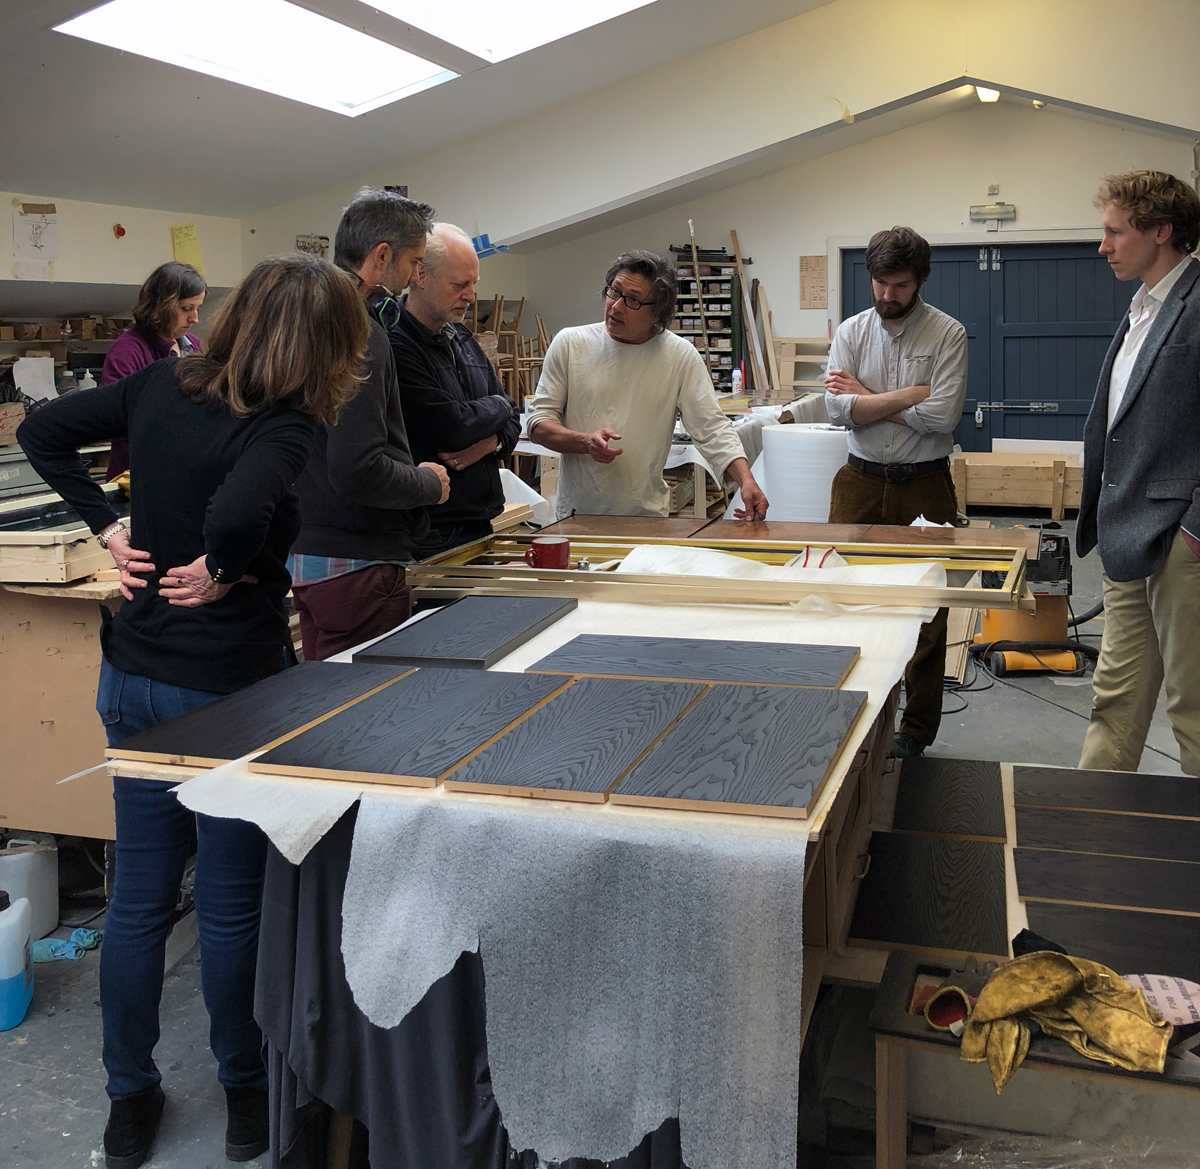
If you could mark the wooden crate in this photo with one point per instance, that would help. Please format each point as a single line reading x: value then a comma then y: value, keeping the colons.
x: 1018, y: 479
x: 58, y: 557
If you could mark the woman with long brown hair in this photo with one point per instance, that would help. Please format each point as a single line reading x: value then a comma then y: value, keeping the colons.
x: 217, y: 439
x: 167, y: 309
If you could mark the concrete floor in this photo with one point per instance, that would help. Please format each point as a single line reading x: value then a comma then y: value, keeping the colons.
x: 52, y: 1101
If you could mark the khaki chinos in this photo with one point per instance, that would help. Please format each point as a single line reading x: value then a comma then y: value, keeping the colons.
x: 1151, y: 630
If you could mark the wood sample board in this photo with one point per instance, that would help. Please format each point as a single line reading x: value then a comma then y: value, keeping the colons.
x: 1107, y: 791
x: 580, y: 743
x: 473, y: 633
x: 257, y: 717
x: 413, y: 732
x: 755, y: 750
x: 1115, y: 882
x: 688, y: 659
x: 950, y: 797
x: 1123, y: 940
x: 1149, y: 837
x: 933, y: 894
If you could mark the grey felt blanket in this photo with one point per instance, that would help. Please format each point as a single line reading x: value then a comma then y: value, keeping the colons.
x: 637, y: 967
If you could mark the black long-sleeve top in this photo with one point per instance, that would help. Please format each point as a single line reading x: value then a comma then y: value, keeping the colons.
x: 451, y: 399
x: 361, y: 495
x: 203, y: 482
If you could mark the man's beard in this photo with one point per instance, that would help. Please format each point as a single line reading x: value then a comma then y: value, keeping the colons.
x: 890, y: 310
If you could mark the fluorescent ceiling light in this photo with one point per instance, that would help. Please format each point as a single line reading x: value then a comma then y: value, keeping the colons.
x: 495, y: 30
x: 987, y: 94
x: 266, y: 44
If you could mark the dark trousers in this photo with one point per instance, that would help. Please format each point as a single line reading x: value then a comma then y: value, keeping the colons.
x: 154, y: 834
x: 859, y: 498
x: 338, y: 614
x: 439, y: 540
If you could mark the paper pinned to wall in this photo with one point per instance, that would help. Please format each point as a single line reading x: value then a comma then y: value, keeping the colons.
x: 185, y: 246
x: 35, y: 376
x: 814, y: 281
x: 35, y: 237
x: 33, y: 269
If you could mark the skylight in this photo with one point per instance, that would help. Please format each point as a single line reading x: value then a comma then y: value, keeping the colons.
x: 496, y: 31
x: 267, y: 44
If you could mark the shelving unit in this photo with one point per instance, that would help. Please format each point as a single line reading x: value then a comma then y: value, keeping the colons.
x: 720, y: 321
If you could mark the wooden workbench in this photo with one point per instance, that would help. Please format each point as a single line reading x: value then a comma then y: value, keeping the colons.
x: 49, y: 668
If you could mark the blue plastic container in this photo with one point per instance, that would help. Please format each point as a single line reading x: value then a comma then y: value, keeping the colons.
x: 16, y: 961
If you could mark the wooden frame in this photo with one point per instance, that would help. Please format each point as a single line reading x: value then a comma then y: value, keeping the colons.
x: 1018, y: 479
x: 496, y: 565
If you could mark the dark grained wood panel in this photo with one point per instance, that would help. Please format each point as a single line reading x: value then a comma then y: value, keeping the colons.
x: 691, y: 659
x: 933, y: 893
x: 415, y: 730
x: 580, y: 743
x: 641, y: 527
x: 471, y: 634
x: 765, y: 750
x: 1123, y: 939
x: 1109, y: 791
x: 1116, y: 835
x: 1120, y: 882
x: 950, y: 797
x: 256, y: 717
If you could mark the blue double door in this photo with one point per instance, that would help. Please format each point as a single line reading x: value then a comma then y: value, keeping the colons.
x: 1039, y: 319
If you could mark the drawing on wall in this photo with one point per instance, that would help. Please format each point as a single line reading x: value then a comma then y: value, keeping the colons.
x: 313, y: 245
x: 35, y: 237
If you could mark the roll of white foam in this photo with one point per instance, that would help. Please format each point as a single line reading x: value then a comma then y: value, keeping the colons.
x: 797, y: 468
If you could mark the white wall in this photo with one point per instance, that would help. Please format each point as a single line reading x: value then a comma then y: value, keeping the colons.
x: 91, y: 254
x: 926, y: 177
x: 611, y: 146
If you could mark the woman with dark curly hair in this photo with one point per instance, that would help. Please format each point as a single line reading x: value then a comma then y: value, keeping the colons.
x: 217, y: 440
x: 168, y: 305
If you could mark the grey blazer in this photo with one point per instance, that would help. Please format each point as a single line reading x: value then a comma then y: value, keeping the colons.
x: 1141, y: 479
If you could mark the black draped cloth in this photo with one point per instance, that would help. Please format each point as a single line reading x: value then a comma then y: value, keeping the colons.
x: 421, y: 1092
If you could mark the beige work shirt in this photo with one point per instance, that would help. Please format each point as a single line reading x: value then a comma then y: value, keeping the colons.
x: 590, y: 381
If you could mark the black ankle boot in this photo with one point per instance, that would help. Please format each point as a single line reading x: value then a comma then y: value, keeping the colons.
x: 132, y: 1123
x: 248, y: 1133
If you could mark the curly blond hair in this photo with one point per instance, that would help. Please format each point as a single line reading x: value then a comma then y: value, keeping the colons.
x: 1152, y: 198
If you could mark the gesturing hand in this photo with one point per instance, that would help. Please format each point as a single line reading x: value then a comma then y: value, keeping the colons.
x: 598, y: 448
x: 129, y: 560
x: 189, y: 586
x: 443, y: 478
x: 838, y: 381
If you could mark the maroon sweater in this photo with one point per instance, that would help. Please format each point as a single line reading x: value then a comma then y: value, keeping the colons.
x: 133, y: 350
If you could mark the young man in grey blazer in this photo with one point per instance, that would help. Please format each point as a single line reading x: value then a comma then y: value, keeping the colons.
x: 1141, y: 476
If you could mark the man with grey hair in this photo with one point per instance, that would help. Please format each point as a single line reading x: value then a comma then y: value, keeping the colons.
x: 455, y: 409
x: 623, y: 381
x: 362, y: 500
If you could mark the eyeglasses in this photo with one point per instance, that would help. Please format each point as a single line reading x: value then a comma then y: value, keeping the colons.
x: 632, y: 302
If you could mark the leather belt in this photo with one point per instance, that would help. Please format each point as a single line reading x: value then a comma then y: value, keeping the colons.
x: 898, y: 472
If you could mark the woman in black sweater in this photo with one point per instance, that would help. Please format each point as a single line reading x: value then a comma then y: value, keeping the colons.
x: 216, y: 441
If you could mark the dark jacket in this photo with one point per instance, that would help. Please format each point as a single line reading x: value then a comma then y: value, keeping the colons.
x: 133, y: 350
x: 206, y: 482
x: 362, y: 496
x: 1141, y: 479
x: 452, y: 398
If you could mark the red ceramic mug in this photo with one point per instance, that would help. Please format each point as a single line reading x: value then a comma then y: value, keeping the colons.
x: 549, y: 552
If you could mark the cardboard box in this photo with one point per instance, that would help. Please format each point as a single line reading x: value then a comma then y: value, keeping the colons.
x: 51, y: 332
x: 8, y: 333
x: 27, y: 332
x: 12, y: 414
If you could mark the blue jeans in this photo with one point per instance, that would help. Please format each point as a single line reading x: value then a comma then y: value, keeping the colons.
x: 154, y: 832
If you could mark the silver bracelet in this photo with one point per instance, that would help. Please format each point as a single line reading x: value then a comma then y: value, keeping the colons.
x: 103, y: 538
